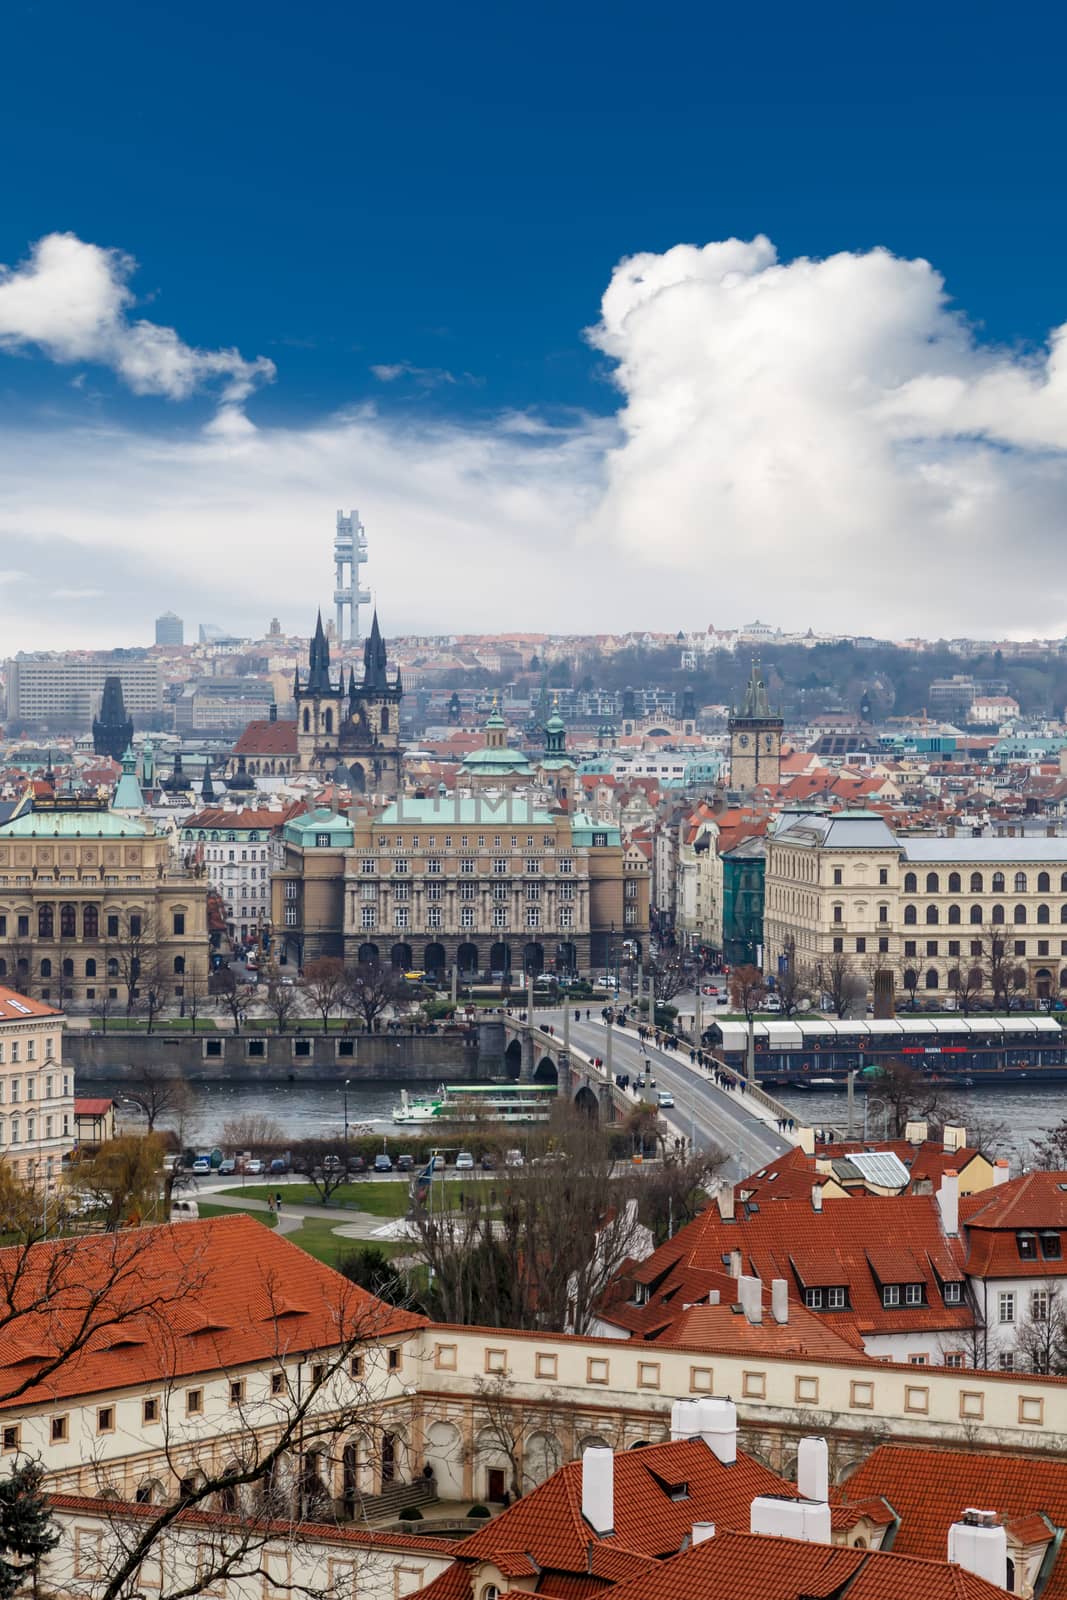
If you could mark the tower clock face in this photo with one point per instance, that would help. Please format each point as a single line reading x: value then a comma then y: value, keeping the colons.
x: 768, y: 743
x: 743, y: 741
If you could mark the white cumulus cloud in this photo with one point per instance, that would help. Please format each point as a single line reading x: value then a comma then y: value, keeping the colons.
x: 72, y: 301
x: 824, y: 442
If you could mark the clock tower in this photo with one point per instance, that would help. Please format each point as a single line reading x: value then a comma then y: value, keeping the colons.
x: 755, y: 738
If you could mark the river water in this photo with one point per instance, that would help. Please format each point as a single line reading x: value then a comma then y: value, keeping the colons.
x: 317, y: 1110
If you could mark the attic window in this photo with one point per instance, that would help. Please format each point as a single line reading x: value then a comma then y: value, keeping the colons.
x: 673, y: 1491
x: 1027, y: 1243
x: 1051, y: 1248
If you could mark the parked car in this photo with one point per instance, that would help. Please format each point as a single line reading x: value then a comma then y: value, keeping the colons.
x: 279, y: 1165
x: 201, y: 1165
x: 382, y: 1163
x: 254, y: 1167
x: 227, y: 1167
x: 464, y: 1161
x: 514, y: 1158
x: 405, y: 1162
x: 357, y: 1164
x: 488, y: 1163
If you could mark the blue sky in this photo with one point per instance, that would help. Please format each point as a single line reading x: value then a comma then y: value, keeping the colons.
x: 417, y: 210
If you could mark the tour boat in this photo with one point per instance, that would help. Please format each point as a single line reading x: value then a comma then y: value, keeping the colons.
x: 479, y: 1102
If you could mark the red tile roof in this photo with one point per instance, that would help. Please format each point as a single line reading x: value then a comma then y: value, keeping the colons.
x: 746, y: 1566
x: 15, y: 1007
x: 267, y: 739
x: 862, y: 1243
x: 993, y: 1218
x: 929, y: 1488
x: 92, y: 1108
x: 190, y: 1298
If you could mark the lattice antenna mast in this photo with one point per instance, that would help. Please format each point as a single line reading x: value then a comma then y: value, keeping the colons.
x: 349, y: 554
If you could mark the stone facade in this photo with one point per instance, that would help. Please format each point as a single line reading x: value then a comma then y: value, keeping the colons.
x: 755, y: 739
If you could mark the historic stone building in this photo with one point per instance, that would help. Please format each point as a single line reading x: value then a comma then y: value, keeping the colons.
x: 488, y: 884
x: 755, y: 738
x: 89, y: 897
x: 351, y: 732
x: 843, y: 883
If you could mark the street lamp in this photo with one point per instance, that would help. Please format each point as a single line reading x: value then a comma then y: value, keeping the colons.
x: 347, y: 1081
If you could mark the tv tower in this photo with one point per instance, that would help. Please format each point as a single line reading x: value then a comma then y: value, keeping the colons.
x: 349, y: 551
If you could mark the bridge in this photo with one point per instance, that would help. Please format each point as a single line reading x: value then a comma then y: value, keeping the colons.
x: 713, y: 1107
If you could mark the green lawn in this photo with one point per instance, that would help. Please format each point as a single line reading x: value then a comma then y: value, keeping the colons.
x: 383, y: 1198
x: 319, y: 1240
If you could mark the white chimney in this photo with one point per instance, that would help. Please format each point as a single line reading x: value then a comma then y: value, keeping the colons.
x: 954, y: 1138
x: 750, y: 1294
x: 1001, y: 1173
x: 717, y: 1420
x: 702, y: 1531
x: 734, y: 1268
x: 806, y: 1140
x: 725, y: 1197
x: 916, y: 1132
x: 816, y: 1197
x: 598, y: 1489
x: 780, y: 1299
x: 685, y: 1419
x: 790, y: 1519
x: 979, y: 1544
x: 813, y: 1469
x: 948, y: 1199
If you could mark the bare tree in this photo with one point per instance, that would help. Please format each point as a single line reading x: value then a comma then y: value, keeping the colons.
x: 104, y: 1004
x: 507, y: 1429
x: 323, y: 1163
x: 674, y: 1193
x: 194, y: 997
x: 371, y: 990
x: 910, y: 1097
x: 283, y: 997
x: 668, y: 977
x: 1041, y: 1341
x: 158, y: 1092
x: 254, y: 1132
x: 326, y: 986
x: 967, y: 983
x: 236, y: 996
x: 1006, y: 978
x: 838, y: 977
x: 1050, y: 1153
x: 22, y: 970
x: 748, y: 990
x: 136, y: 953
x: 795, y: 986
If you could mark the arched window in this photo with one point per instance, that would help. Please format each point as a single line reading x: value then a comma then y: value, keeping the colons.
x: 1063, y: 979
x: 976, y: 883
x: 90, y: 968
x: 46, y: 968
x: 1043, y: 915
x: 46, y: 922
x: 998, y: 883
x: 976, y: 914
x: 3, y: 967
x: 327, y: 720
x: 1063, y: 882
x: 91, y: 922
x: 1019, y: 915
x: 112, y: 967
x: 933, y: 883
x: 954, y: 914
x: 998, y: 915
x: 953, y: 883
x: 931, y: 978
x: 932, y: 915
x: 68, y: 922
x: 307, y: 720
x: 1043, y: 883
x: 68, y: 968
x: 911, y: 883
x: 179, y: 963
x: 911, y: 916
x: 385, y: 719
x: 1020, y: 883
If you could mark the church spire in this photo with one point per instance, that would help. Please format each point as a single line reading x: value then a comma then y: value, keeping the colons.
x: 374, y: 659
x: 755, y: 703
x: 318, y: 679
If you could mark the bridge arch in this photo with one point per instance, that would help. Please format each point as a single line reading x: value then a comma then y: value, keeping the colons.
x: 585, y: 1100
x: 513, y: 1059
x: 546, y: 1071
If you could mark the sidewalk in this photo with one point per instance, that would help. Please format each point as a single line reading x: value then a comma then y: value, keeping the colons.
x: 291, y: 1217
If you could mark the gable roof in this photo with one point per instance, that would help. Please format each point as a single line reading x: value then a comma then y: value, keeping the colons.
x: 174, y: 1300
x: 928, y: 1489
x: 266, y: 738
x: 15, y: 1007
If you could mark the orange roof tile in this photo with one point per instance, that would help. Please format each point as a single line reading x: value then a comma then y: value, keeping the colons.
x: 180, y: 1299
x: 15, y: 1007
x: 267, y: 739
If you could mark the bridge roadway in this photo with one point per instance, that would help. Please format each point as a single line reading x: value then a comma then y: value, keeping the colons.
x: 702, y: 1111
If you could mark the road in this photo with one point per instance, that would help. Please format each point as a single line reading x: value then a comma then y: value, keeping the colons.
x: 704, y: 1112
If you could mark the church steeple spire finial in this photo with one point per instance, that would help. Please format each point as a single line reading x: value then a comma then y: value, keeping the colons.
x: 318, y: 679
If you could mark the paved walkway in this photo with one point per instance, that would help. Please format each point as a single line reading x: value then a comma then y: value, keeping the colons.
x: 356, y: 1224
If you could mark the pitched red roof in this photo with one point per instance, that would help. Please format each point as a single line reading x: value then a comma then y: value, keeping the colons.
x: 267, y: 739
x: 994, y: 1218
x: 181, y: 1299
x: 92, y: 1108
x: 928, y: 1489
x: 748, y: 1566
x: 15, y: 1007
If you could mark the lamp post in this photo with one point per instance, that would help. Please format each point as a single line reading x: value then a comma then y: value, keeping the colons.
x: 347, y: 1081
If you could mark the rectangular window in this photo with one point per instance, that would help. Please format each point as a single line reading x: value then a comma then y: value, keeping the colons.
x: 112, y: 927
x: 839, y: 914
x: 401, y: 866
x: 433, y: 917
x: 500, y: 917
x: 394, y: 1360
x: 1006, y: 1361
x: 150, y: 1410
x: 1006, y: 1305
x: 468, y: 891
x: 402, y: 891
x: 861, y: 946
x: 179, y: 922
x: 318, y: 1373
x: 466, y: 917
x: 954, y: 947
x: 883, y: 946
x: 839, y: 946
x: 931, y: 947
x: 500, y: 864
x: 565, y: 864
x: 355, y: 1367
x: 11, y: 1437
x: 566, y: 917
x: 1039, y: 1303
x: 913, y: 1294
x: 194, y: 1402
x: 433, y: 866
x: 466, y: 864
x: 1050, y: 1246
x: 533, y: 891
x: 836, y: 1299
x: 917, y: 1361
x: 277, y: 1383
x: 532, y: 864
x: 367, y: 864
x: 400, y: 917
x: 883, y: 874
x: 891, y: 1294
x: 953, y: 1294
x: 105, y: 1419
x: 954, y: 1358
x: 433, y: 891
x: 813, y: 1299
x: 290, y: 915
x: 909, y: 947
x: 1020, y: 947
x: 837, y: 875
x: 533, y: 916
x: 237, y: 1391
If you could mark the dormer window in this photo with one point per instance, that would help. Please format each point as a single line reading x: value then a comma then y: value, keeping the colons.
x: 1051, y: 1248
x: 953, y: 1293
x: 1027, y: 1243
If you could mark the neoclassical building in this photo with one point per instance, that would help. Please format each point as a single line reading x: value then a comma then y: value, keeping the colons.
x: 83, y: 891
x: 844, y: 883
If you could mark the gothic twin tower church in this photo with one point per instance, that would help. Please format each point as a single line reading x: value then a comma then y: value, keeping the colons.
x: 351, y: 732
